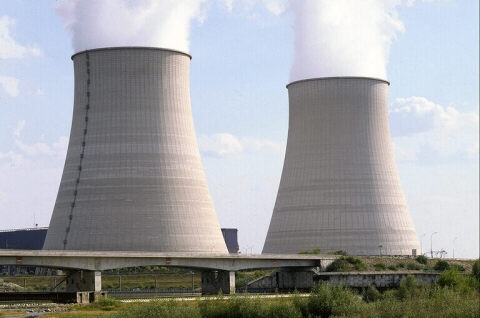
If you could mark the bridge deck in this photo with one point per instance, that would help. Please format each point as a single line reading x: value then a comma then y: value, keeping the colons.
x: 104, y: 260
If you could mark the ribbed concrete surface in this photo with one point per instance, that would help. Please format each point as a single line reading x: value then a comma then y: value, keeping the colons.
x: 340, y: 188
x: 133, y: 178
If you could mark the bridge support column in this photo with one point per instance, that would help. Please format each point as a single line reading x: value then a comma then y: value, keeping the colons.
x: 80, y: 281
x: 215, y: 281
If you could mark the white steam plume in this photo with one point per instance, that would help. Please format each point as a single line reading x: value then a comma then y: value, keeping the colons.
x: 343, y: 37
x: 106, y: 23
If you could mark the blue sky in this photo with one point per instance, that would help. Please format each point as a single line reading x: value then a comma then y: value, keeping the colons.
x: 243, y: 52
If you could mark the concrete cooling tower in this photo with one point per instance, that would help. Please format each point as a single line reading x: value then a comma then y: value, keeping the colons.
x: 340, y: 188
x: 133, y: 178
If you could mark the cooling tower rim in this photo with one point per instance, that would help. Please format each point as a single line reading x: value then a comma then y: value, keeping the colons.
x: 153, y: 48
x: 338, y: 77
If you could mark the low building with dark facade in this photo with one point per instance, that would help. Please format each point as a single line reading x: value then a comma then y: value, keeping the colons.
x: 21, y: 239
x: 231, y: 239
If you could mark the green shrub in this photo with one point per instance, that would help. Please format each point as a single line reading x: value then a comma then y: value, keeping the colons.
x: 408, y: 288
x: 401, y: 265
x: 316, y: 251
x: 428, y: 301
x: 338, y: 265
x: 450, y: 278
x: 106, y: 304
x: 301, y: 303
x: 357, y: 263
x: 346, y: 263
x: 454, y: 279
x: 441, y: 265
x: 282, y: 310
x: 247, y: 307
x: 352, y: 260
x: 371, y: 294
x: 216, y: 308
x: 171, y: 309
x: 422, y: 259
x: 360, y: 267
x: 326, y: 301
x: 392, y: 267
x: 379, y: 266
x: 457, y: 267
x: 476, y: 270
x: 413, y: 267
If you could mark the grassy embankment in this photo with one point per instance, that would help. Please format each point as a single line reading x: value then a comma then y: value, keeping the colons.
x: 455, y: 295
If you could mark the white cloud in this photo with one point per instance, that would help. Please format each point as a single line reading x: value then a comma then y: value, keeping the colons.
x: 9, y: 85
x: 24, y: 154
x: 57, y: 148
x: 27, y: 186
x: 223, y: 144
x: 30, y: 174
x: 276, y: 7
x: 423, y: 130
x: 17, y: 130
x: 252, y: 144
x: 410, y: 3
x: 229, y: 4
x: 9, y: 48
x: 12, y: 159
x: 220, y: 144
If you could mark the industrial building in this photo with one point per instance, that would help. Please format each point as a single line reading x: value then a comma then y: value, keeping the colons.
x: 23, y: 239
x: 231, y: 239
x: 340, y: 188
x: 133, y: 179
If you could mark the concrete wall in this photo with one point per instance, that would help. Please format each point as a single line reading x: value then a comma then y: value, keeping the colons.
x: 288, y: 280
x: 379, y: 280
x: 133, y: 179
x: 339, y: 188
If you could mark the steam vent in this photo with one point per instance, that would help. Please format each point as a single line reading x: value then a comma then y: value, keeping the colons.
x: 340, y: 188
x: 133, y: 178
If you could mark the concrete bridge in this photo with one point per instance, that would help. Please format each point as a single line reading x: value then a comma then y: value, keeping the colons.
x: 218, y: 271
